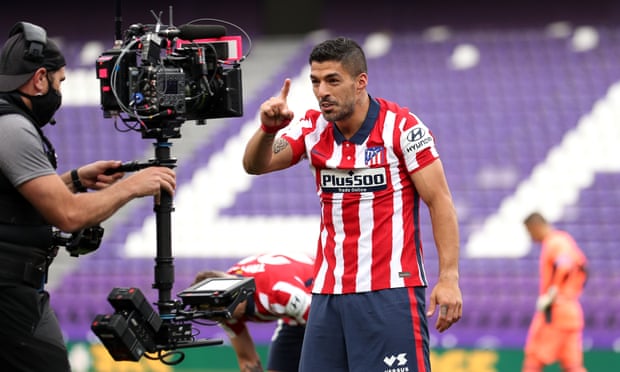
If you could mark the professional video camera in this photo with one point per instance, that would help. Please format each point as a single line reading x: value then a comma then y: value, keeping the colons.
x: 159, y: 76
x: 153, y: 79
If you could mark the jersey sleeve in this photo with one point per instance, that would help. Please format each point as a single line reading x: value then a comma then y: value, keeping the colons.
x: 290, y: 301
x: 417, y: 143
x: 295, y: 133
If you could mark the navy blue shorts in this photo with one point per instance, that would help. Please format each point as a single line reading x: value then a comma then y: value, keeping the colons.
x: 380, y: 331
x: 285, y: 348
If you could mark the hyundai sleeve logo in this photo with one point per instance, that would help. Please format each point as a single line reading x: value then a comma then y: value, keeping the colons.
x: 416, y: 134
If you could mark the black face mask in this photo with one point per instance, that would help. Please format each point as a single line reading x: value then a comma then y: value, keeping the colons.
x: 45, y: 106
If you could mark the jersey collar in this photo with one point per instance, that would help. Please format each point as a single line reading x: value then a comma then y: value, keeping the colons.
x: 360, y: 136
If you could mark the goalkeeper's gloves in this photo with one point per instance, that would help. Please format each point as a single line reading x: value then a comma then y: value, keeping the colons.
x: 545, y: 300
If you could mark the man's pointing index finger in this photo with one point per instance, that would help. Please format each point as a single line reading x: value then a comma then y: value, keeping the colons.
x: 285, y: 88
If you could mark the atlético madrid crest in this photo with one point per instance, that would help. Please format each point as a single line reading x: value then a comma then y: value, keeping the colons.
x: 375, y: 156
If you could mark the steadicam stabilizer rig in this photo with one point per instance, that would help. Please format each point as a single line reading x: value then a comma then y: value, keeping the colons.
x: 153, y: 80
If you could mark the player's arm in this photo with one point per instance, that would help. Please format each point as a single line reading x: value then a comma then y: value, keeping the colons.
x: 291, y: 301
x: 562, y: 265
x: 248, y: 358
x: 432, y: 187
x: 264, y: 153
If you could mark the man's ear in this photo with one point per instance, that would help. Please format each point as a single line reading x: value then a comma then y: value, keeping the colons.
x: 362, y: 81
x: 40, y: 81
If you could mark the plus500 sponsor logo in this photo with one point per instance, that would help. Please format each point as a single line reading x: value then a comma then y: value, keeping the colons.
x: 361, y: 180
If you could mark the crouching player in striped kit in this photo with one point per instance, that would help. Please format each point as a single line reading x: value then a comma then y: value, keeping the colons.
x: 283, y: 295
x: 372, y: 161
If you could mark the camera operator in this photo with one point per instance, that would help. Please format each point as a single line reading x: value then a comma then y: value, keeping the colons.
x: 282, y: 294
x: 33, y: 198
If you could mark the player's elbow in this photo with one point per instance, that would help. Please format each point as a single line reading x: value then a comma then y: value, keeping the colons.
x: 252, y: 169
x: 255, y: 166
x: 441, y: 203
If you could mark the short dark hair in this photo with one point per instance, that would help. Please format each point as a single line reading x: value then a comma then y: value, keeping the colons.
x: 207, y: 274
x: 343, y: 50
x: 535, y: 218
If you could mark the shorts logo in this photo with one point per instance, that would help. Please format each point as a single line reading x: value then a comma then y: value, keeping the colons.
x: 396, y: 363
x: 354, y: 180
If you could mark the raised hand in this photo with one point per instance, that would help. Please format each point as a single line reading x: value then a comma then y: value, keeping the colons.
x: 274, y: 113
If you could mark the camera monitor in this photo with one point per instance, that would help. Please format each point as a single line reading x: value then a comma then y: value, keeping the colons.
x: 226, y: 48
x: 218, y: 292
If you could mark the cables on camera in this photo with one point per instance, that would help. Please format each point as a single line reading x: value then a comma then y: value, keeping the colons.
x: 135, y: 329
x: 154, y: 80
x: 160, y: 76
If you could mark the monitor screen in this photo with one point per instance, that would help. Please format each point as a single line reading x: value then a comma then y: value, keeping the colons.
x: 217, y: 284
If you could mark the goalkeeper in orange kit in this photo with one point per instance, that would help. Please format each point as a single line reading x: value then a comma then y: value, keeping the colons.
x: 555, y: 333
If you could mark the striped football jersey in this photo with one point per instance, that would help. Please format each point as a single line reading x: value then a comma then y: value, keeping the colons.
x: 283, y: 284
x: 369, y: 236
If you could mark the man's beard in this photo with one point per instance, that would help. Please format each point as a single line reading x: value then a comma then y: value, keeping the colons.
x: 339, y: 112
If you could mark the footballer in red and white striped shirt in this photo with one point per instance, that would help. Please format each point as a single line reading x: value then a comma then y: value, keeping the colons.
x: 373, y: 163
x: 370, y: 236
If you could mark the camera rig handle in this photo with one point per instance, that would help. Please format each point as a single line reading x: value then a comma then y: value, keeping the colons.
x: 134, y: 166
